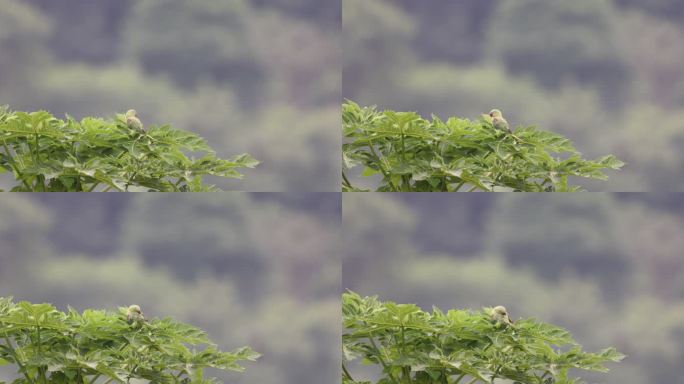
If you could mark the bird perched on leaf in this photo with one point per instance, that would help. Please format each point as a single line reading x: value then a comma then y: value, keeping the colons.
x: 134, y: 314
x: 499, y: 316
x: 498, y: 120
x: 133, y: 122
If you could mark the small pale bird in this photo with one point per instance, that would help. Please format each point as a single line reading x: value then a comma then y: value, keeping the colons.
x: 134, y: 314
x: 498, y: 121
x: 499, y: 315
x: 133, y: 122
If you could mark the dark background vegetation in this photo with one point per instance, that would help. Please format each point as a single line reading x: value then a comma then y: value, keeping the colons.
x: 608, y: 267
x: 607, y: 74
x: 251, y: 76
x: 250, y: 269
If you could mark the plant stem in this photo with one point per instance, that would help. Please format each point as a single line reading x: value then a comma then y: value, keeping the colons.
x: 404, y: 178
x: 460, y: 377
x: 41, y: 179
x: 403, y: 146
x: 22, y: 368
x: 345, y: 181
x: 407, y: 182
x: 382, y: 362
x: 346, y: 372
x: 380, y: 163
x: 33, y: 155
x: 15, y: 169
x: 406, y: 370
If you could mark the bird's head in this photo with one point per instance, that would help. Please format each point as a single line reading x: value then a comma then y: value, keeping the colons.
x: 131, y: 113
x: 492, y: 113
x: 134, y: 309
x: 500, y: 310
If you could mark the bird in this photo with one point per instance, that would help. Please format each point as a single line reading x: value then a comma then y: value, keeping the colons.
x: 134, y: 314
x: 499, y: 316
x: 133, y: 122
x: 498, y: 120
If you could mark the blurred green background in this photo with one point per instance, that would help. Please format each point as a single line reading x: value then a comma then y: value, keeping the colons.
x: 606, y: 74
x: 256, y: 269
x: 256, y: 76
x: 608, y: 267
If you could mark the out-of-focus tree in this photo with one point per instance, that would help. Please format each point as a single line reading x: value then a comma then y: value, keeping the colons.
x: 556, y: 235
x: 102, y: 219
x: 556, y: 42
x: 23, y: 231
x: 324, y: 12
x: 657, y: 70
x: 283, y: 248
x: 294, y: 242
x: 311, y: 77
x: 437, y: 234
x: 192, y: 41
x: 655, y: 155
x: 88, y: 31
x: 166, y: 231
x: 376, y: 37
x: 311, y: 202
x: 312, y: 343
x: 23, y: 35
x: 659, y: 348
x: 653, y: 241
x: 373, y: 225
x: 296, y: 148
x: 450, y: 31
x: 662, y: 8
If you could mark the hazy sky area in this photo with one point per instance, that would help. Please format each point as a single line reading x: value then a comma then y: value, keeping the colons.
x: 607, y: 267
x: 251, y: 269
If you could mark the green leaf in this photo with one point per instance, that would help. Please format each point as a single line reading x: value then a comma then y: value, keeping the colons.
x: 369, y: 172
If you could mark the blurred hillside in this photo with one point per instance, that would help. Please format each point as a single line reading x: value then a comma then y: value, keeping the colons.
x: 250, y: 269
x: 607, y: 267
x: 606, y: 74
x: 250, y: 76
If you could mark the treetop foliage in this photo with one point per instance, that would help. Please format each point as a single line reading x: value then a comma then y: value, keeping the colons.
x: 48, y: 154
x: 49, y: 346
x: 459, y: 346
x: 414, y: 154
